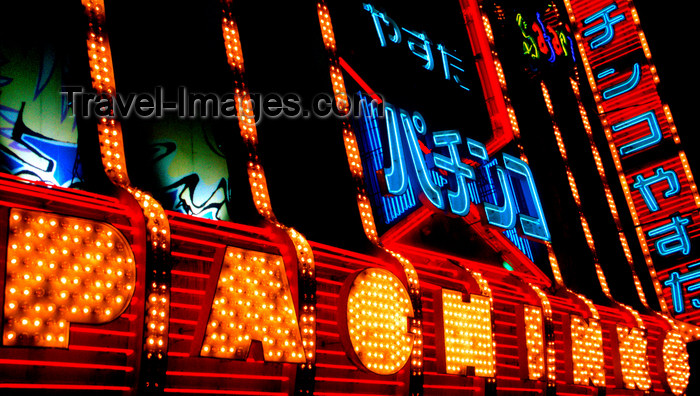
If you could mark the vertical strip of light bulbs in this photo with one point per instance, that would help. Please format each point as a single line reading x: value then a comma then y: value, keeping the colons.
x: 587, y: 347
x: 616, y: 158
x: 608, y: 193
x: 574, y: 192
x: 512, y: 119
x: 306, y: 268
x: 554, y: 264
x: 352, y: 150
x: 486, y: 291
x: 550, y: 350
x: 157, y: 226
x: 491, y: 71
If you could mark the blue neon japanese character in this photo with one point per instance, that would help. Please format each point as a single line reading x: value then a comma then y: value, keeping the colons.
x: 396, y: 175
x: 675, y: 242
x: 676, y: 281
x: 624, y: 86
x: 419, y: 44
x: 447, y: 62
x: 605, y: 27
x: 503, y: 215
x: 533, y: 225
x: 459, y: 199
x: 655, y: 135
x: 643, y: 185
x: 380, y: 18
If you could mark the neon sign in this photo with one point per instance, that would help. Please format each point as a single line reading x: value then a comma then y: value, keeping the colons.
x: 233, y: 284
x: 603, y: 30
x: 249, y: 297
x: 247, y: 293
x: 676, y: 282
x: 414, y: 155
x: 541, y: 40
x: 419, y: 44
x: 657, y: 181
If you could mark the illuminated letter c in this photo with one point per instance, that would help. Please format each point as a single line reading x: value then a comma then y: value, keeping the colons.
x: 375, y: 314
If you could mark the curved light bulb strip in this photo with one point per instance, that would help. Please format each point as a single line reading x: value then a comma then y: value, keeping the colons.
x: 550, y: 350
x: 261, y: 199
x: 674, y: 356
x: 483, y: 285
x: 608, y: 193
x: 486, y: 292
x: 114, y: 163
x: 352, y: 150
x: 584, y: 223
x: 675, y: 363
x: 501, y: 77
x: 574, y: 192
x: 638, y: 331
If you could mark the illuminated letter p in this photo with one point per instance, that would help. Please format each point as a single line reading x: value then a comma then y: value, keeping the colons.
x: 62, y: 270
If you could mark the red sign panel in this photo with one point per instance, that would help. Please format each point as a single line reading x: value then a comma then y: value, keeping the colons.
x: 653, y: 169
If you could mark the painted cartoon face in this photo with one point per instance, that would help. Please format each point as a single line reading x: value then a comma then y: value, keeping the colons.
x: 38, y: 133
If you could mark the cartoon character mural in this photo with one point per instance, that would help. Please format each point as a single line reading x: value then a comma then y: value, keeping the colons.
x: 38, y: 133
x: 190, y: 172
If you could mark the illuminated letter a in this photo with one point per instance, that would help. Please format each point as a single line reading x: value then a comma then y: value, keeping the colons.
x: 253, y: 301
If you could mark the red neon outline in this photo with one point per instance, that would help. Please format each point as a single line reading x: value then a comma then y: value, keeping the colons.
x: 358, y: 79
x: 127, y: 352
x: 91, y: 330
x: 194, y: 292
x: 190, y: 274
x: 65, y: 387
x: 485, y: 63
x: 360, y: 381
x: 221, y: 392
x: 40, y: 186
x: 24, y: 362
x: 179, y: 354
x: 225, y: 375
x: 184, y: 321
x: 451, y: 387
x: 337, y: 366
x: 345, y: 394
